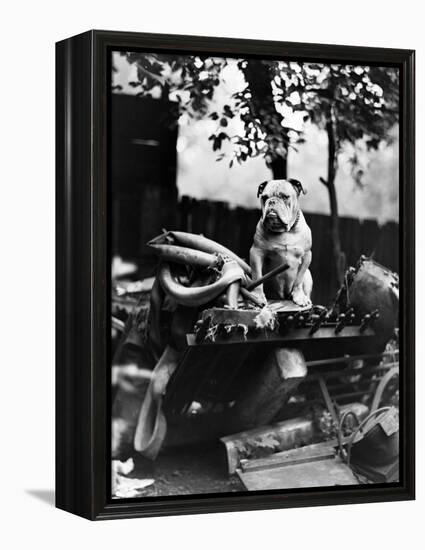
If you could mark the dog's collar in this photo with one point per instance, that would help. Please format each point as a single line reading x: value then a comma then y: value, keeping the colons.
x: 297, y: 219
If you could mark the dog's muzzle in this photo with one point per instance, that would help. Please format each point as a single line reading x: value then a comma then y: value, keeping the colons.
x: 275, y: 215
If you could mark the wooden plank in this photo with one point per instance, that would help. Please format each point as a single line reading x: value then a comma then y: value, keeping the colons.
x: 309, y: 453
x: 322, y: 270
x: 220, y: 229
x: 199, y: 216
x: 249, y: 220
x: 369, y: 237
x: 210, y: 220
x: 231, y: 236
x: 185, y: 213
x: 387, y: 250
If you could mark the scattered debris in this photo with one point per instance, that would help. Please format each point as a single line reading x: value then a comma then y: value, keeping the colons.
x: 134, y: 287
x: 123, y: 468
x: 266, y: 440
x: 123, y: 486
x: 129, y: 375
x: 211, y: 333
x: 121, y: 268
x: 244, y: 329
x: 266, y: 319
x: 291, y: 363
x: 195, y: 408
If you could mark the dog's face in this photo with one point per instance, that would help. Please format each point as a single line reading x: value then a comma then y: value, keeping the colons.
x: 279, y: 204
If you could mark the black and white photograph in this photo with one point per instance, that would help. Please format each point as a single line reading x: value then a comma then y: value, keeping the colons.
x: 254, y: 264
x: 211, y: 275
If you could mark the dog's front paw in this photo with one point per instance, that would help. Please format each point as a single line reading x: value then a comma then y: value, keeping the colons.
x: 259, y: 294
x: 300, y: 298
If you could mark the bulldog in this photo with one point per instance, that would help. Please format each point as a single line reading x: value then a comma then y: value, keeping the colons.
x: 282, y: 236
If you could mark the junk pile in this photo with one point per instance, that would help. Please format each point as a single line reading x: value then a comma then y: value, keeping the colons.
x: 207, y: 347
x: 364, y: 448
x: 124, y: 486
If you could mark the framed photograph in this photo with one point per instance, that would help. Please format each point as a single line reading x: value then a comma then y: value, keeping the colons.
x: 235, y: 274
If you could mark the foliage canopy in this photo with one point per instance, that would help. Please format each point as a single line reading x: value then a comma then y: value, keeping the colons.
x: 362, y: 102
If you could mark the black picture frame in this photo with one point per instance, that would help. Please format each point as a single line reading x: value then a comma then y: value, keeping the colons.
x: 82, y: 274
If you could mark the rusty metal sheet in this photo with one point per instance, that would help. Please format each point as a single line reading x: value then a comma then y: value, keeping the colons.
x: 309, y: 453
x: 293, y: 335
x: 284, y: 435
x: 328, y: 472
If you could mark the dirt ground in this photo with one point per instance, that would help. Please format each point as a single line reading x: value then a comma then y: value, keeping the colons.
x: 187, y: 470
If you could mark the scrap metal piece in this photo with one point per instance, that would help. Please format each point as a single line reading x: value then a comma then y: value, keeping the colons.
x: 325, y: 472
x: 183, y: 255
x: 266, y: 319
x: 328, y: 400
x: 232, y: 294
x: 318, y: 320
x: 276, y: 271
x: 267, y: 439
x: 308, y: 453
x: 251, y: 297
x: 369, y: 287
x: 341, y: 323
x: 196, y: 296
x: 151, y: 426
x: 368, y: 320
x: 198, y: 242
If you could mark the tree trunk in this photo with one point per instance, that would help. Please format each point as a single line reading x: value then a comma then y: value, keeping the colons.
x: 338, y: 254
x: 258, y: 77
x: 279, y: 168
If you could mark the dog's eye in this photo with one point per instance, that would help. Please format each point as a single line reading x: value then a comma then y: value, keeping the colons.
x: 264, y: 198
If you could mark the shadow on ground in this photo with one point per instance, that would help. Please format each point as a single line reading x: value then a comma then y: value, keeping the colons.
x: 189, y: 470
x: 45, y: 495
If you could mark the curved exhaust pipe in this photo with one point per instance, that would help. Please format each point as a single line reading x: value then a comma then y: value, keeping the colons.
x: 197, y: 296
x: 198, y: 242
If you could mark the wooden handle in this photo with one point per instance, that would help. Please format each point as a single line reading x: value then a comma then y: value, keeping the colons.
x: 267, y: 276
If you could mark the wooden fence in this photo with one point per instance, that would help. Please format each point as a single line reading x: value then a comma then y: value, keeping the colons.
x: 235, y: 227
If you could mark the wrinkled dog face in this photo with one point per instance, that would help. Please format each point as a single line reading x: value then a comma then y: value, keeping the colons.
x: 279, y: 204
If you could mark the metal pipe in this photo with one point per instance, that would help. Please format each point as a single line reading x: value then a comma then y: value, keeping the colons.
x: 351, y: 372
x: 252, y: 297
x: 267, y: 276
x: 117, y: 324
x: 232, y: 294
x: 347, y: 359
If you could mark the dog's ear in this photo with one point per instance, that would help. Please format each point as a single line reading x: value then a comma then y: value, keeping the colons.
x: 261, y: 188
x: 298, y: 186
